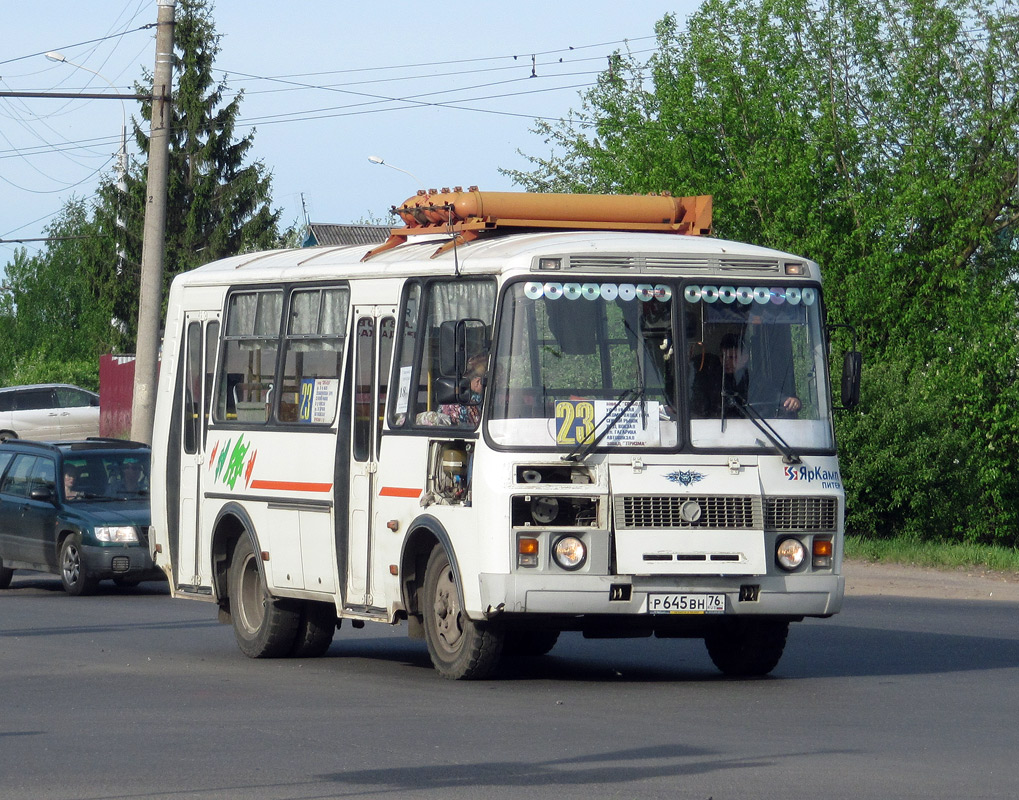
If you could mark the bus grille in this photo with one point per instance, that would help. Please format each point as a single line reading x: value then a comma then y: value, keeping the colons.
x: 801, y: 513
x: 654, y: 262
x: 644, y: 512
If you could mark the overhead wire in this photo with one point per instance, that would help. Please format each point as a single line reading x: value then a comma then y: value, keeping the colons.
x: 358, y: 108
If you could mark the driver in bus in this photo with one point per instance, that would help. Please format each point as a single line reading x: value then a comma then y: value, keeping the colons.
x: 736, y: 380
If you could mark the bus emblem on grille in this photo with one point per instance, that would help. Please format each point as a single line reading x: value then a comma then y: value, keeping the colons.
x: 685, y: 477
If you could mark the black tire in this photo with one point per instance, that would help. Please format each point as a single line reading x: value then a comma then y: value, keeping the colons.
x: 7, y: 435
x: 74, y: 573
x: 529, y: 644
x: 460, y: 648
x: 748, y: 647
x: 6, y: 573
x: 315, y: 630
x: 264, y: 626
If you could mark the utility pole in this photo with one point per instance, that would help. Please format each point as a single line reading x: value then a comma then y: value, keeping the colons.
x: 150, y: 300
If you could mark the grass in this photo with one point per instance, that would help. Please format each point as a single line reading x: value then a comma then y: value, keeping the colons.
x: 944, y: 555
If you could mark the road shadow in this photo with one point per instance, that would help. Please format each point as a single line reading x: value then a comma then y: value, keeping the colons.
x: 26, y: 582
x: 634, y: 766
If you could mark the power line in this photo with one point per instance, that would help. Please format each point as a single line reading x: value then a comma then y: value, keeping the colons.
x: 79, y: 44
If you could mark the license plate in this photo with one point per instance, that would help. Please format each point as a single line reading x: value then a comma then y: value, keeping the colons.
x: 686, y: 603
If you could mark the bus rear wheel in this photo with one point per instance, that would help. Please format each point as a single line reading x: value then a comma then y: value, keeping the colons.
x: 748, y: 647
x: 460, y: 648
x: 315, y: 630
x: 264, y: 626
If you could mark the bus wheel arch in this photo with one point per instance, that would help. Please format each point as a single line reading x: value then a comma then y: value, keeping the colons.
x: 426, y: 533
x: 231, y: 524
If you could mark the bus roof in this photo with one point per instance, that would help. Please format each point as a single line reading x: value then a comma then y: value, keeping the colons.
x: 654, y: 253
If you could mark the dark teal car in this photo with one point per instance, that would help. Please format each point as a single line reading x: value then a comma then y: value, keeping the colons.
x: 79, y: 510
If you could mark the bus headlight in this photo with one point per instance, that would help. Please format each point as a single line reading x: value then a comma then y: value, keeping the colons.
x: 790, y: 553
x: 569, y: 553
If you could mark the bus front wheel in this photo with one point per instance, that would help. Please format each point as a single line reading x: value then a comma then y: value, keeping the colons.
x: 748, y: 647
x: 460, y: 648
x: 264, y: 626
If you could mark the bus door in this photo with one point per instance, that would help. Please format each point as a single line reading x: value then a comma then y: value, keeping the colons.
x: 374, y: 330
x: 200, y: 347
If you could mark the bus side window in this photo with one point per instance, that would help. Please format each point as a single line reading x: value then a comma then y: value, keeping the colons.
x: 250, y: 347
x: 192, y: 388
x: 316, y: 327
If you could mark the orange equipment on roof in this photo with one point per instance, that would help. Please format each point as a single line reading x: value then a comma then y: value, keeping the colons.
x: 470, y: 213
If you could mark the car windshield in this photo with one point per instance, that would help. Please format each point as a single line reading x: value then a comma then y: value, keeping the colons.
x: 709, y: 366
x: 106, y: 476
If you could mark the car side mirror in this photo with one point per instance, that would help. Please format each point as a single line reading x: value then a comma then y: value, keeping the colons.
x: 43, y: 494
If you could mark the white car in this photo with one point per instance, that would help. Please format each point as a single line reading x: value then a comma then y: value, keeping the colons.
x: 48, y: 412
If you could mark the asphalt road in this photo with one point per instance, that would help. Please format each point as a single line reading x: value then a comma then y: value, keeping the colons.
x: 130, y: 694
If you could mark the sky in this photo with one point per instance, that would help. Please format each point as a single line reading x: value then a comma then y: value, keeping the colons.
x: 443, y: 93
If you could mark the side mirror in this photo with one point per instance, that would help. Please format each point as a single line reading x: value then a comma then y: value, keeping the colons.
x: 852, y: 365
x: 44, y: 494
x: 453, y: 390
x: 459, y: 340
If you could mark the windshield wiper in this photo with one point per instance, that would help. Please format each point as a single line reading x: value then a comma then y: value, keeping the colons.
x: 789, y: 456
x: 630, y: 396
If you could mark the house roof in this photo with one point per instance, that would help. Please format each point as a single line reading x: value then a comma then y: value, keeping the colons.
x: 332, y: 234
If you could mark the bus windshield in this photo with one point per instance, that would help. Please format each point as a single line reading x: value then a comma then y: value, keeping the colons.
x: 660, y: 366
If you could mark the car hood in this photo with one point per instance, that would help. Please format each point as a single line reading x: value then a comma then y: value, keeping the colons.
x: 112, y: 512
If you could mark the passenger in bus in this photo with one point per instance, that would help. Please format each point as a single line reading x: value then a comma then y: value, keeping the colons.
x: 736, y: 381
x: 705, y: 380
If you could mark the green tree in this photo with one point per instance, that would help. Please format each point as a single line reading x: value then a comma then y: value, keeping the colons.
x: 55, y: 321
x: 218, y: 201
x: 78, y: 298
x: 879, y: 138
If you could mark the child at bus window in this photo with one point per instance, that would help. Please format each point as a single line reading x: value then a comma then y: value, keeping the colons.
x: 468, y: 415
x: 462, y: 415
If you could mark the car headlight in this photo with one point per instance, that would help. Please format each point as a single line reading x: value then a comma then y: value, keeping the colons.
x: 790, y: 553
x: 569, y: 553
x: 121, y: 534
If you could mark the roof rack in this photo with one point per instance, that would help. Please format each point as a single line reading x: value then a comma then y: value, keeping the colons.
x: 467, y: 215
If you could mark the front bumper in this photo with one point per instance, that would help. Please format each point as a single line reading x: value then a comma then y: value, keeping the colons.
x: 791, y: 596
x: 131, y: 562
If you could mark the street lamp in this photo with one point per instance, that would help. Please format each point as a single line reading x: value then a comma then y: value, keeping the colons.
x: 380, y: 161
x: 60, y: 58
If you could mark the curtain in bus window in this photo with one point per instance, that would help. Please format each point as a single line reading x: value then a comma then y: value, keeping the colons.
x: 314, y: 355
x: 244, y: 390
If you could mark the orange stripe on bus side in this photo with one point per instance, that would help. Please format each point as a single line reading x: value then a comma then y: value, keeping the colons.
x: 396, y: 491
x: 292, y: 486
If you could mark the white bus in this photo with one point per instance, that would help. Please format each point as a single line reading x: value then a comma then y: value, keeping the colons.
x: 522, y: 415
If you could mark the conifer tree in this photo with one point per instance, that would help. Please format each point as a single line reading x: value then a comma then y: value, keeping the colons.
x: 218, y: 202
